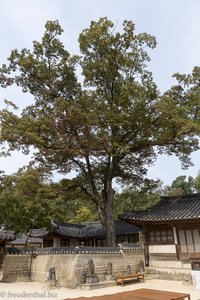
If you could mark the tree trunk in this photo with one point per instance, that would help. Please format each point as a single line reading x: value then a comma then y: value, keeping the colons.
x: 107, y: 218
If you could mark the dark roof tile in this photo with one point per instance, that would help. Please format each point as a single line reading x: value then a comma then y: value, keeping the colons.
x: 67, y: 229
x: 92, y: 230
x: 6, y: 235
x: 41, y: 232
x: 87, y: 250
x: 87, y: 230
x: 23, y: 239
x: 172, y: 208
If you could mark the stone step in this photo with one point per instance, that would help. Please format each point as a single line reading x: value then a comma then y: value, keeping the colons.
x: 150, y: 276
x: 169, y: 273
x: 98, y: 285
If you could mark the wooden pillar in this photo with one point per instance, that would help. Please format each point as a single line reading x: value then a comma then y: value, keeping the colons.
x: 145, y: 241
x: 176, y: 243
x: 56, y: 242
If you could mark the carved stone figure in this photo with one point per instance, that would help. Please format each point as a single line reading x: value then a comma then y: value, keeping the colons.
x: 51, y: 274
x: 128, y: 269
x: 83, y: 277
x: 109, y: 268
x: 91, y: 277
x: 141, y: 266
x: 90, y: 267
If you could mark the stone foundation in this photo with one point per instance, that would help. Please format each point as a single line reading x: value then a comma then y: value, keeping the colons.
x: 170, y: 274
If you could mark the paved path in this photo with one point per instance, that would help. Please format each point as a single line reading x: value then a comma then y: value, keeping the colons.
x: 35, y: 290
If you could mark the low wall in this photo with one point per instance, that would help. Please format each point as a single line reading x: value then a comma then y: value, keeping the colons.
x: 71, y: 262
x: 17, y: 268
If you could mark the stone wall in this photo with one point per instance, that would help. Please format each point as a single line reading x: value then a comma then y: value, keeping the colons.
x: 71, y: 263
x: 17, y: 267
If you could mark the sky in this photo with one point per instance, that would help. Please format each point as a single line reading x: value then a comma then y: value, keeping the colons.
x: 174, y: 23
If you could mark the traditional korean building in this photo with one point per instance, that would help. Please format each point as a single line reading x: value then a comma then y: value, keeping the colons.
x: 6, y: 236
x: 87, y: 234
x: 171, y: 231
x: 22, y: 241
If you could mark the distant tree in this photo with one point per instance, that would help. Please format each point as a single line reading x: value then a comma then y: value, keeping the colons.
x: 28, y: 199
x: 9, y: 205
x: 84, y: 214
x: 20, y: 205
x: 182, y: 185
x: 139, y: 198
x: 109, y: 130
x: 197, y: 183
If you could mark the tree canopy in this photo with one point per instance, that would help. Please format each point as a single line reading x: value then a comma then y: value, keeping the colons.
x: 182, y: 185
x: 30, y: 199
x: 108, y: 129
x: 26, y: 199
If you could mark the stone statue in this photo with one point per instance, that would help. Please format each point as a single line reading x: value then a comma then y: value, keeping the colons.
x: 128, y: 269
x: 91, y: 277
x: 83, y: 277
x: 141, y: 266
x: 51, y: 274
x: 90, y: 267
x: 109, y: 268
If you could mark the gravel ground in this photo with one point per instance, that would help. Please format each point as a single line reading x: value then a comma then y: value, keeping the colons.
x: 35, y: 290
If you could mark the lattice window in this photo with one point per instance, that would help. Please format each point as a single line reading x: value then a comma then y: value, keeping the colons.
x: 161, y: 236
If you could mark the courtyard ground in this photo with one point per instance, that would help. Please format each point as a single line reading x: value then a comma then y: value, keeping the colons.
x: 35, y: 290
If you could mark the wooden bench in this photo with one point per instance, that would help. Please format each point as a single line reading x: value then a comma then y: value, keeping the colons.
x: 120, y: 279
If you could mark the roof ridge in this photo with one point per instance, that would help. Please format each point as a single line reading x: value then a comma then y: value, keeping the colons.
x: 186, y: 197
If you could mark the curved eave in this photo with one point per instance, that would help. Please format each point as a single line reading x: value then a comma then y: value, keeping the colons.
x: 164, y: 222
x: 92, y: 237
x: 7, y: 236
x: 56, y: 234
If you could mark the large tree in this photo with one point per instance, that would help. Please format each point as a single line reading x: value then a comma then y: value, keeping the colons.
x: 108, y: 129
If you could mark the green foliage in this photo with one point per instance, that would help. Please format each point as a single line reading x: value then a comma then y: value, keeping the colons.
x: 109, y: 130
x: 197, y: 183
x: 84, y: 214
x: 139, y: 198
x: 18, y: 203
x: 29, y: 199
x: 183, y: 185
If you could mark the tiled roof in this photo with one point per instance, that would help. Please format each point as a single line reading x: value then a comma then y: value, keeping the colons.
x: 87, y: 230
x: 129, y: 246
x: 23, y: 239
x: 6, y: 235
x: 173, y: 208
x: 41, y: 232
x: 67, y: 229
x: 122, y: 227
x: 77, y: 249
x: 92, y: 230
